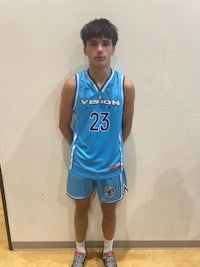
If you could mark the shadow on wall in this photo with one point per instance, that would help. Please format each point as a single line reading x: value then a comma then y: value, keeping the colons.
x: 123, y: 227
x: 168, y: 210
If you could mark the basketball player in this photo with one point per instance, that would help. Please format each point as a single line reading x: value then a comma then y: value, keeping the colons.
x: 102, y: 100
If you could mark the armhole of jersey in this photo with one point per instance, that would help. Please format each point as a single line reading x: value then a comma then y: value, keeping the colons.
x: 76, y: 91
x: 122, y: 88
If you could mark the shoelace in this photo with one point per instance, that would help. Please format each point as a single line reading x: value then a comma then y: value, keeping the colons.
x: 79, y: 258
x: 109, y: 258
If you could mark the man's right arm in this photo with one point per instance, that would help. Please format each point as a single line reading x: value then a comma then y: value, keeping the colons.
x: 66, y: 109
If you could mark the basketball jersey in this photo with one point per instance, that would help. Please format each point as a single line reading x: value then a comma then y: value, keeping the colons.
x: 97, y: 149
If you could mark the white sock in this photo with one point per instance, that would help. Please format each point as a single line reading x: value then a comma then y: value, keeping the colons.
x: 80, y: 247
x: 108, y: 246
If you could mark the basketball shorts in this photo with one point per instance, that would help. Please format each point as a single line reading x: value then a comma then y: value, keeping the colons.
x: 109, y: 190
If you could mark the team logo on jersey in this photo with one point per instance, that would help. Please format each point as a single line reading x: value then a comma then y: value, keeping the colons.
x: 100, y: 101
x: 109, y: 191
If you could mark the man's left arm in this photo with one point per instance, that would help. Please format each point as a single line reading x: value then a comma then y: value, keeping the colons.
x: 129, y: 98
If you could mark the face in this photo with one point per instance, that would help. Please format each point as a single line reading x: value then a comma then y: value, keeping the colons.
x: 99, y: 51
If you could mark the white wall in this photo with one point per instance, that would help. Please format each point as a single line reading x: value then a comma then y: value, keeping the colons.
x: 159, y: 50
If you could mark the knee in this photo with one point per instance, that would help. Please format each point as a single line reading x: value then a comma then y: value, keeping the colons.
x: 108, y: 210
x: 82, y: 206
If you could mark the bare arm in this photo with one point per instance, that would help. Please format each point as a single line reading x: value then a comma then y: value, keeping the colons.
x: 129, y: 98
x: 66, y: 109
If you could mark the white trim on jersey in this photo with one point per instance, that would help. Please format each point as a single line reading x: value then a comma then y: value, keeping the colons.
x: 94, y: 84
x: 121, y: 152
x: 122, y: 88
x: 108, y: 81
x: 77, y: 91
x: 72, y: 153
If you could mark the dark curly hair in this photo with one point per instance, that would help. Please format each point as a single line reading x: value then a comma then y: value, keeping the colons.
x: 99, y: 28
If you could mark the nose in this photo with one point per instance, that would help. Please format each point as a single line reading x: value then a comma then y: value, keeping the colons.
x: 99, y: 47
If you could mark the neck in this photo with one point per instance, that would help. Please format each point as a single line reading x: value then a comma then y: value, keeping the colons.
x: 100, y: 75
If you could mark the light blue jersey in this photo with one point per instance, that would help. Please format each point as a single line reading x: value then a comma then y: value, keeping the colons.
x: 97, y: 150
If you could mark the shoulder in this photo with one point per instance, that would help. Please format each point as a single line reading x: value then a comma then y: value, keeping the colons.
x: 69, y: 86
x: 129, y: 88
x: 128, y: 84
x: 70, y: 83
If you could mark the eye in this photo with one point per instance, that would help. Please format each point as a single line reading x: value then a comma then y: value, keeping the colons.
x: 106, y: 43
x: 93, y: 44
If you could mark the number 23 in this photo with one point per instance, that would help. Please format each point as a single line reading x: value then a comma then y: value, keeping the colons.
x: 100, y: 121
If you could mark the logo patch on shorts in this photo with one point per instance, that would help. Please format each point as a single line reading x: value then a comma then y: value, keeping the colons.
x: 109, y: 191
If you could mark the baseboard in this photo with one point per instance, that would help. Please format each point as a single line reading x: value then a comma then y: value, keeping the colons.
x: 99, y: 244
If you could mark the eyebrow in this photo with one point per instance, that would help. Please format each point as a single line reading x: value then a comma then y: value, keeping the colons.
x: 107, y: 41
x: 92, y: 41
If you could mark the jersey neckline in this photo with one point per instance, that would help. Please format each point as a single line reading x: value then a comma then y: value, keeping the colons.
x: 102, y: 89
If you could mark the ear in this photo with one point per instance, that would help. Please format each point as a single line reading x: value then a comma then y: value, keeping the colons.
x: 113, y: 50
x: 85, y: 50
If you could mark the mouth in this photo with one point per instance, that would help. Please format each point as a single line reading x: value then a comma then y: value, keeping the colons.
x: 100, y: 57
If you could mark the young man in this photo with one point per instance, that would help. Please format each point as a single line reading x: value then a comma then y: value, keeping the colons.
x: 102, y: 100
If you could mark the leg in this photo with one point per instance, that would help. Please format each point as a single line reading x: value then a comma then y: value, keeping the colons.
x: 81, y: 219
x: 110, y: 192
x: 108, y: 226
x: 81, y: 224
x: 109, y: 220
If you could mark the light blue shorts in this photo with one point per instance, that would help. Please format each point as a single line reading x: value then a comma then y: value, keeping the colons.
x: 109, y: 190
